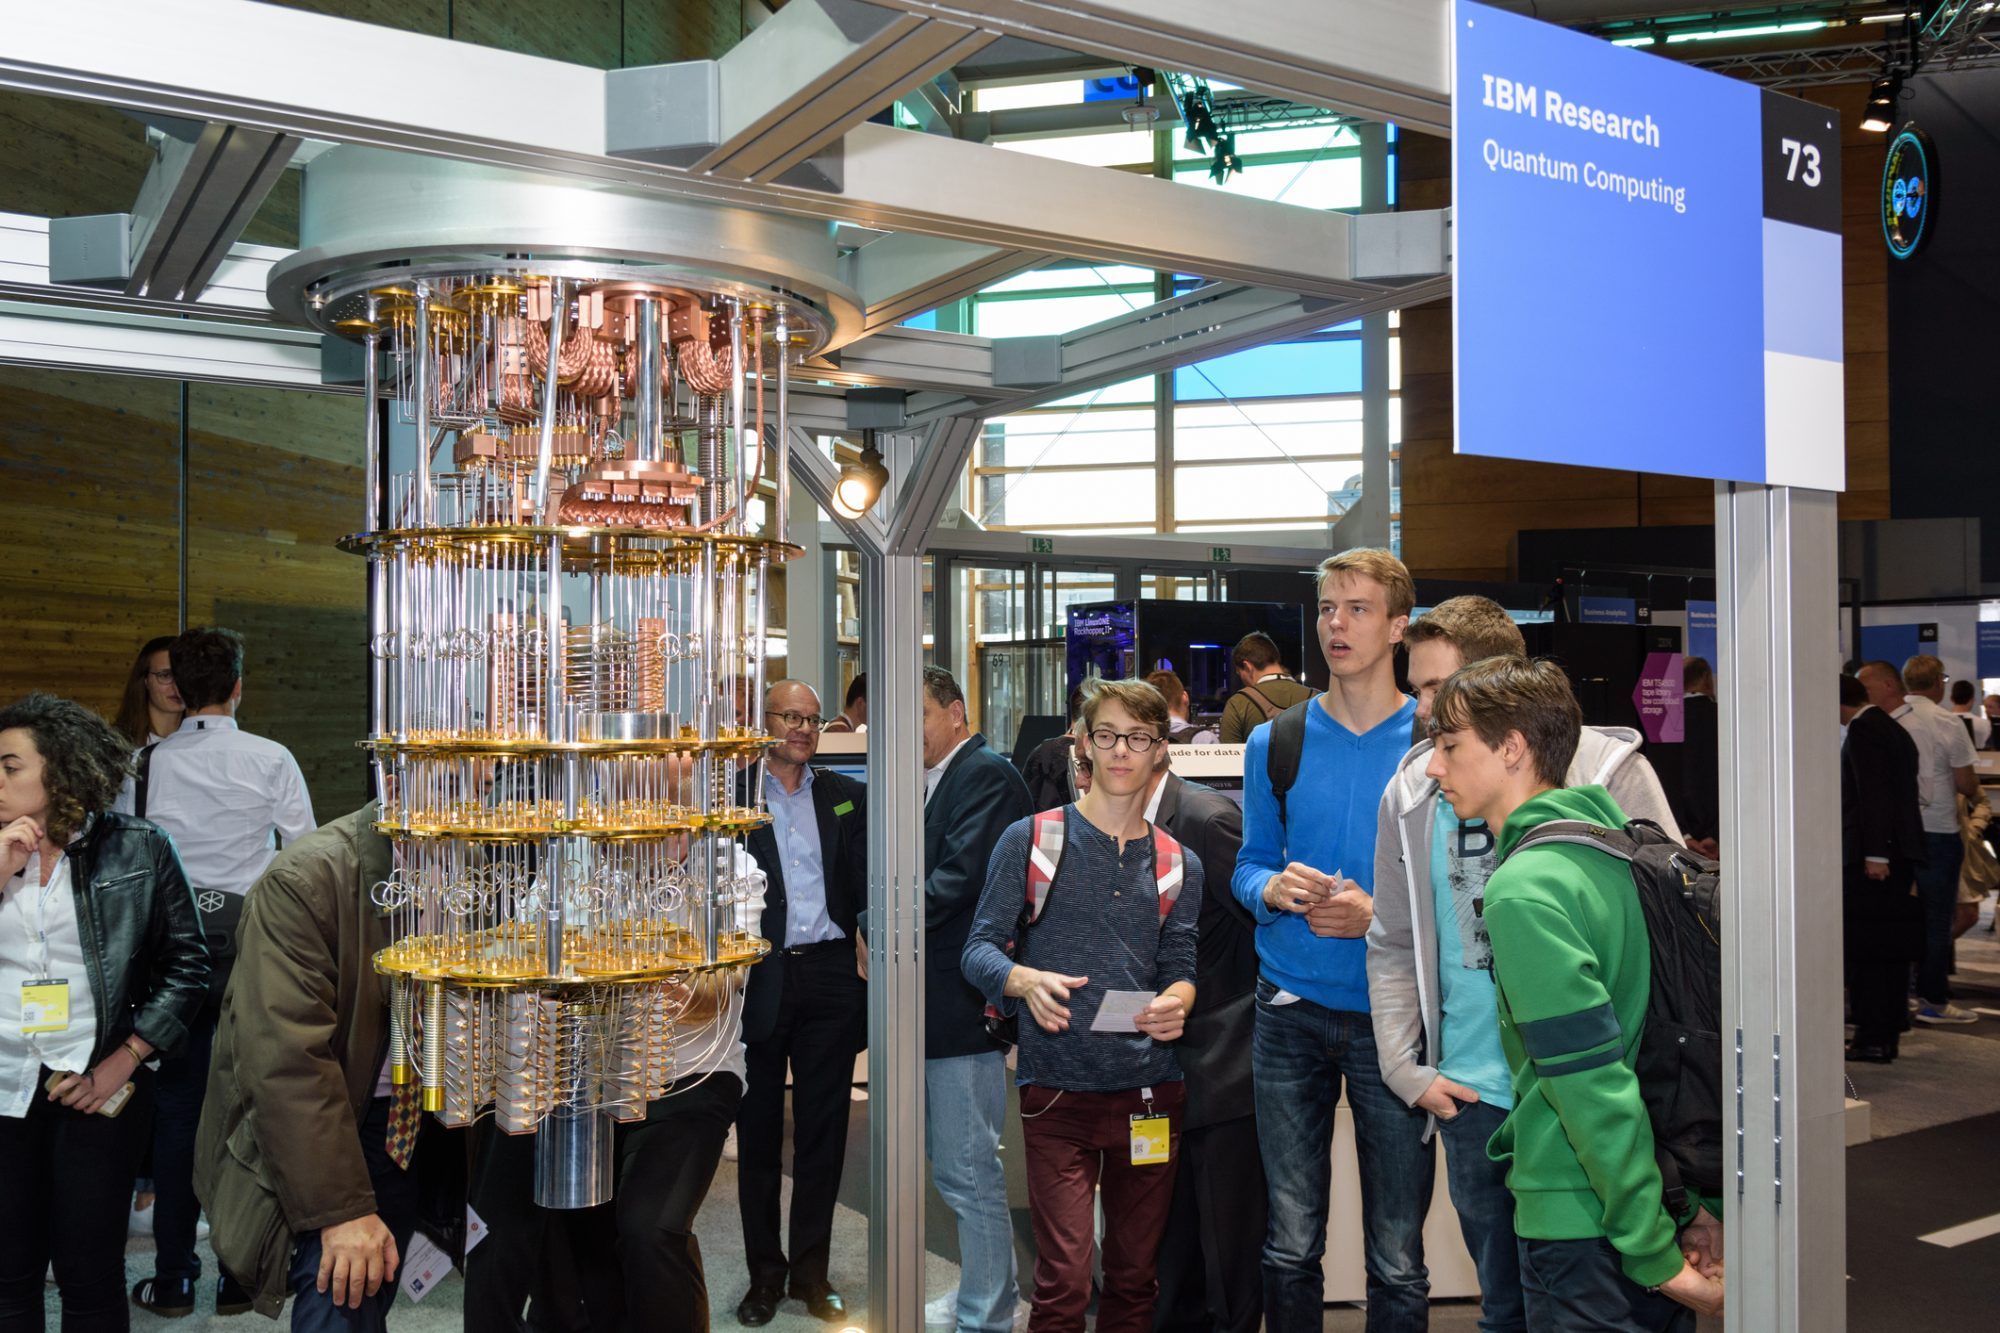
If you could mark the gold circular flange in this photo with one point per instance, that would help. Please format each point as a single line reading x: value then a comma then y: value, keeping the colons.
x: 576, y: 539
x: 740, y: 821
x: 476, y: 747
x: 682, y: 959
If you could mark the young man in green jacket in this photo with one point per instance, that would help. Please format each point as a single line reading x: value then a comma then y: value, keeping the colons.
x: 1573, y: 967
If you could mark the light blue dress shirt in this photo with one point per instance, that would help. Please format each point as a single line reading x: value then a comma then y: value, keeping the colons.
x: 795, y: 826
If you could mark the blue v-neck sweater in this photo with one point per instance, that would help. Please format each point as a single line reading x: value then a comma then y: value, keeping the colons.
x: 1331, y: 813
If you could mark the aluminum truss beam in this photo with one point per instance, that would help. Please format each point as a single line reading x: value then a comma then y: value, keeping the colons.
x: 1822, y: 65
x: 1380, y: 59
x: 159, y: 56
x: 236, y: 291
x: 901, y: 276
x: 169, y: 347
x: 958, y: 364
x: 196, y: 200
x: 819, y: 67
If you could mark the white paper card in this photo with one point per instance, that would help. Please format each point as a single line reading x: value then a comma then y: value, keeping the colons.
x: 1120, y: 1011
x: 475, y: 1229
x: 423, y: 1267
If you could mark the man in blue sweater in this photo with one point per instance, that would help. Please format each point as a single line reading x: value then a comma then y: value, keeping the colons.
x: 1297, y: 875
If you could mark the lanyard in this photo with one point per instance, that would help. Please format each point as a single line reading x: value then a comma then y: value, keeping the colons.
x: 38, y: 934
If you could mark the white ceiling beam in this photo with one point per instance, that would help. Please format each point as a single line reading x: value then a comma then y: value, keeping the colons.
x: 235, y: 292
x: 1382, y: 59
x: 167, y: 347
x: 161, y: 56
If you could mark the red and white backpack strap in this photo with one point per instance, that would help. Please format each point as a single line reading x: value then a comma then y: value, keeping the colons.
x: 1044, y: 856
x: 1170, y: 867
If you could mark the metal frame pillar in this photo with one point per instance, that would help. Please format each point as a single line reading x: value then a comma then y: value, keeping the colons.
x: 1781, y: 973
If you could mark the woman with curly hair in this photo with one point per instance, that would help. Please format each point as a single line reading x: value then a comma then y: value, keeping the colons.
x: 151, y: 708
x: 102, y: 963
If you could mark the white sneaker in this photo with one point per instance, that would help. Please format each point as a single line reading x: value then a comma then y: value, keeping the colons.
x: 140, y: 1223
x: 942, y: 1312
x: 1945, y: 1013
x: 729, y: 1146
x: 1021, y: 1313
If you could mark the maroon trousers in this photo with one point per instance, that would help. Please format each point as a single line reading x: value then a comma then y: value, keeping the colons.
x: 1075, y: 1141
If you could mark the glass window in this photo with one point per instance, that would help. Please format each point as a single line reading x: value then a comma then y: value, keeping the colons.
x: 1052, y: 314
x: 1076, y: 436
x: 1287, y: 490
x: 1274, y: 430
x: 1082, y: 498
x: 1175, y: 587
x: 1274, y: 370
x: 1064, y: 588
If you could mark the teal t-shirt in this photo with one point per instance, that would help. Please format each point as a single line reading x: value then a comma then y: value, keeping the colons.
x: 1463, y: 857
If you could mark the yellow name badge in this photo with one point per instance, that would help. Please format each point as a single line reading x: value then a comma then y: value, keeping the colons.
x: 1152, y: 1137
x: 44, y: 1006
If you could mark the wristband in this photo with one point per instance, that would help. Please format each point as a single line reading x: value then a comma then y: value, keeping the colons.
x: 137, y: 1058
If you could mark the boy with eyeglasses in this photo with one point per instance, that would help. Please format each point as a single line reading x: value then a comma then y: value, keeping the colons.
x: 1101, y: 1091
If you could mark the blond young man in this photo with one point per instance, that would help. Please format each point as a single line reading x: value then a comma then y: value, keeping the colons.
x: 1306, y: 877
x: 1430, y: 963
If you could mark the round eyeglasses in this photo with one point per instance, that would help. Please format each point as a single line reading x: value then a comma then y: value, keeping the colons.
x: 1138, y: 742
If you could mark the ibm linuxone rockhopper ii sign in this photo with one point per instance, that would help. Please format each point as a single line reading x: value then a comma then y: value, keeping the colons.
x: 1647, y: 261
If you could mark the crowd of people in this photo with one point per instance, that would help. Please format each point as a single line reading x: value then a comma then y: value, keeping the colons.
x: 1189, y: 987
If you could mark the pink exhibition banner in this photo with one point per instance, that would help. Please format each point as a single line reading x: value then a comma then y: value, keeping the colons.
x: 1658, y: 696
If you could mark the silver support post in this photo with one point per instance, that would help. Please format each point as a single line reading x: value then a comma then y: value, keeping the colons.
x: 708, y: 727
x: 738, y: 426
x: 782, y: 339
x: 895, y: 939
x: 421, y: 389
x: 378, y: 589
x: 1784, y: 1150
x: 545, y: 457
x: 648, y: 445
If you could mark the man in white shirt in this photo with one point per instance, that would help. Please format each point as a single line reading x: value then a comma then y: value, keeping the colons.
x: 1981, y: 726
x: 226, y: 797
x: 1944, y: 773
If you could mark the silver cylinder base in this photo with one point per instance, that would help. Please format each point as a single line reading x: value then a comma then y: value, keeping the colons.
x: 574, y: 1160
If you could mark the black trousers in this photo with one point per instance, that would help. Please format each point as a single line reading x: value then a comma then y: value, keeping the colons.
x: 822, y: 1022
x: 178, y: 1091
x: 630, y: 1266
x: 1882, y: 929
x: 1211, y: 1258
x: 68, y: 1188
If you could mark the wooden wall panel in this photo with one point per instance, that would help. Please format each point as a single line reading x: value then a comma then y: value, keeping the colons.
x: 274, y: 482
x: 89, y: 528
x: 1460, y: 515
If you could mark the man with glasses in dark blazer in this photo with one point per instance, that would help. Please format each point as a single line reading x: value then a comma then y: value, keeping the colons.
x: 804, y: 1007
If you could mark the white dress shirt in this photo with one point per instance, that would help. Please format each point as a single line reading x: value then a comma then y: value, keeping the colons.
x: 221, y: 794
x: 935, y: 773
x: 1942, y: 745
x: 41, y: 940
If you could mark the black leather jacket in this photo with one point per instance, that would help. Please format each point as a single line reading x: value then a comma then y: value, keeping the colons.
x: 147, y: 959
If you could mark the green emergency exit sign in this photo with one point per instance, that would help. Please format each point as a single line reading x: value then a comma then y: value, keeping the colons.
x: 1219, y: 555
x: 1041, y: 546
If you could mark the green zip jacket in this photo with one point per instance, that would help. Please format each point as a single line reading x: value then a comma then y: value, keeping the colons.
x: 1571, y: 958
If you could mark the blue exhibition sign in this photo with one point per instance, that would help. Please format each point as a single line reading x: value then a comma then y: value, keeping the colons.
x: 1701, y: 631
x: 1608, y: 610
x: 1647, y: 261
x: 1989, y: 649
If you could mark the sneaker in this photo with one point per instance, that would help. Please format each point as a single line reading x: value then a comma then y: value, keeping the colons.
x: 140, y: 1223
x: 942, y: 1312
x: 168, y: 1300
x: 1945, y: 1013
x: 231, y: 1297
x: 729, y: 1146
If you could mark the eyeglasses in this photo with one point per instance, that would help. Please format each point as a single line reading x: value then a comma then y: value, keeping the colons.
x: 793, y: 721
x: 164, y: 677
x: 1138, y: 742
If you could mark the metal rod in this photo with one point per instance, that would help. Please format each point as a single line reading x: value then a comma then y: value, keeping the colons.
x: 371, y: 389
x: 649, y: 380
x: 421, y: 392
x: 784, y: 474
x: 545, y: 458
x: 736, y: 421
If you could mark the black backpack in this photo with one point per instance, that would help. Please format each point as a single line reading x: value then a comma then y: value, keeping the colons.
x: 1680, y: 1051
x: 1288, y: 742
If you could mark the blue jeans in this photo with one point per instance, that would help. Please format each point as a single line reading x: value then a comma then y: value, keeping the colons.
x: 1937, y: 890
x: 396, y: 1204
x: 1485, y: 1208
x: 965, y: 1101
x: 1299, y: 1055
x: 1579, y: 1286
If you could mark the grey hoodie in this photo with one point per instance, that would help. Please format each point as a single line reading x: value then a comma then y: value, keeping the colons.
x: 1403, y: 993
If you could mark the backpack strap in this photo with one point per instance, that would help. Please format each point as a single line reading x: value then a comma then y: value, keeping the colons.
x: 1618, y: 842
x: 1263, y: 701
x: 1288, y: 742
x: 1044, y: 858
x: 140, y: 777
x: 1169, y: 870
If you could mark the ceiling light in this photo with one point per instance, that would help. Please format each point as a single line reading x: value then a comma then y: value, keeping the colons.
x: 1761, y: 30
x: 1632, y: 41
x: 1897, y: 17
x: 861, y: 482
x: 1880, y: 115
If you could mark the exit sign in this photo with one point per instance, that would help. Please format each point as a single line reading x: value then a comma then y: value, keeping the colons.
x: 1219, y: 555
x: 1041, y: 546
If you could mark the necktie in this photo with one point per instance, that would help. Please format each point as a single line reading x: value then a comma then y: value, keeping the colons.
x: 404, y: 1120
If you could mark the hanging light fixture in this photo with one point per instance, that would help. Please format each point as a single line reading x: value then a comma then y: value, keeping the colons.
x: 1880, y: 115
x: 861, y: 481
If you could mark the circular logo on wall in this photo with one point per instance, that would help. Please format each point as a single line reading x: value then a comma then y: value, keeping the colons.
x: 1909, y: 192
